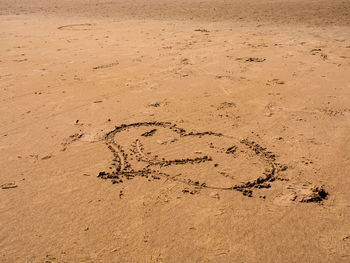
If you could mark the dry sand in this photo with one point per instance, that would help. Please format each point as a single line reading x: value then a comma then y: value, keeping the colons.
x: 175, y: 131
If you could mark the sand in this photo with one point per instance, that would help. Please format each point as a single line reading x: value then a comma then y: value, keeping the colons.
x: 175, y: 131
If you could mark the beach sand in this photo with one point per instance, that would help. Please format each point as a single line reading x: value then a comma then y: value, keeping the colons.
x: 175, y: 131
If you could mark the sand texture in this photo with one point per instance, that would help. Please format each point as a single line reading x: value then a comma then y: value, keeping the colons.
x: 175, y: 131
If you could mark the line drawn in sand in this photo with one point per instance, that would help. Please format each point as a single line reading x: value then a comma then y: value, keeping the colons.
x: 80, y: 27
x: 106, y: 65
x: 204, y: 160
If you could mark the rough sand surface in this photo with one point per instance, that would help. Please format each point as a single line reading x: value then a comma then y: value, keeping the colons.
x: 174, y: 131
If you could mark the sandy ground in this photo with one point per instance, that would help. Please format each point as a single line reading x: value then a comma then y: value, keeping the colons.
x: 175, y: 131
